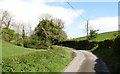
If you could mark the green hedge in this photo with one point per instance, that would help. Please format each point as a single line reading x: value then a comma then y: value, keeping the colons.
x: 79, y: 45
x: 109, y: 52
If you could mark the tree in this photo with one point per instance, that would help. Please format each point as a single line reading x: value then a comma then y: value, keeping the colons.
x: 5, y: 19
x: 23, y: 36
x: 20, y: 35
x: 5, y: 22
x: 93, y: 34
x: 48, y: 33
x: 7, y: 34
x: 59, y: 22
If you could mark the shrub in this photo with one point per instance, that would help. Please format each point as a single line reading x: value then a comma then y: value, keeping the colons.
x: 93, y: 34
x: 7, y: 34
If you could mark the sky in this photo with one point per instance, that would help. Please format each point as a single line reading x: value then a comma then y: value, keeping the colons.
x: 101, y: 15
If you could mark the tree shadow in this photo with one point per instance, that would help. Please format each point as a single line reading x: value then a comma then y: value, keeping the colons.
x: 101, y: 67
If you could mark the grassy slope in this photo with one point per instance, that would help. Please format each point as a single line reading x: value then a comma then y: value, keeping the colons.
x: 0, y: 53
x: 19, y: 59
x: 12, y: 50
x: 101, y: 36
x: 0, y: 48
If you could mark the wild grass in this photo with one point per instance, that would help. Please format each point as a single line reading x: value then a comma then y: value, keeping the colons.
x: 12, y: 50
x: 20, y: 59
x: 101, y: 36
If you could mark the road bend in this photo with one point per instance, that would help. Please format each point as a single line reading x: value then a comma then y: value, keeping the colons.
x: 85, y: 61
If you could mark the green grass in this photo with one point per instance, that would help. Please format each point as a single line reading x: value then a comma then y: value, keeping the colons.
x: 101, y: 36
x: 0, y: 53
x: 19, y: 59
x: 12, y: 50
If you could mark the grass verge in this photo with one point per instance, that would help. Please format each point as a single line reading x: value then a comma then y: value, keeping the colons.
x: 53, y: 60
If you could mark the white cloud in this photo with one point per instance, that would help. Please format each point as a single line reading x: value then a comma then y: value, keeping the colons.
x: 78, y: 0
x: 103, y: 24
x: 29, y: 12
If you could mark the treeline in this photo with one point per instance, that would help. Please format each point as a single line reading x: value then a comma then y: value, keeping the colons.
x: 48, y: 32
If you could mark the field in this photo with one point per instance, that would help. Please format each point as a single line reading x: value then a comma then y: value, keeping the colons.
x: 101, y: 36
x: 20, y: 59
x: 12, y: 50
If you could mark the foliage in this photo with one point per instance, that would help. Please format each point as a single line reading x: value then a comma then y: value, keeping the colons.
x: 92, y: 34
x: 109, y: 51
x: 28, y: 42
x: 17, y: 39
x: 79, y: 45
x: 53, y: 60
x: 23, y: 37
x: 47, y: 33
x: 7, y: 34
x: 5, y: 19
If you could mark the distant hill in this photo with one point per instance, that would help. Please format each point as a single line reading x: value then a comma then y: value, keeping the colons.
x: 100, y: 36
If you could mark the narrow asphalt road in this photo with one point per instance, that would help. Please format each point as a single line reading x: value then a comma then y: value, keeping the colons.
x: 85, y: 61
x: 75, y: 63
x: 88, y: 64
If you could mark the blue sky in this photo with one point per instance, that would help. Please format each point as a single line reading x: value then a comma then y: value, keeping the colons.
x: 101, y: 15
x: 92, y: 10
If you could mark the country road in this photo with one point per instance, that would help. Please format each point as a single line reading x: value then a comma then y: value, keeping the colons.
x: 85, y: 61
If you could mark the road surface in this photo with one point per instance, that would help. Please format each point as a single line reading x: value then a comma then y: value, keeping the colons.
x: 85, y: 61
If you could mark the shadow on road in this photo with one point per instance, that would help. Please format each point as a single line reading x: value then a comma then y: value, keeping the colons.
x: 101, y: 67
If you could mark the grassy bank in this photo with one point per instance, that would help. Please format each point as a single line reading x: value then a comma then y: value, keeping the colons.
x: 29, y: 60
x: 12, y: 50
x: 101, y: 36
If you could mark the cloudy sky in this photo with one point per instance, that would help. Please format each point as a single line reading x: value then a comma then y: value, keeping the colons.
x: 101, y: 15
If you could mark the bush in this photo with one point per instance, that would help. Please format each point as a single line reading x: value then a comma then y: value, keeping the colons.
x: 93, y: 34
x: 7, y: 34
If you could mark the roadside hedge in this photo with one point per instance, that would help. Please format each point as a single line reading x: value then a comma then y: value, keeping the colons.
x: 107, y: 50
x: 79, y: 45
